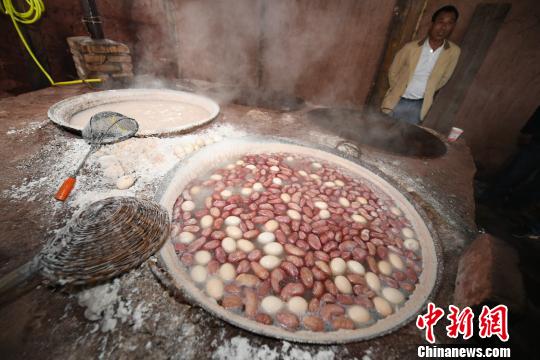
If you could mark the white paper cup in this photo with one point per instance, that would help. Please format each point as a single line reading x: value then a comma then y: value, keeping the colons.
x: 455, y: 133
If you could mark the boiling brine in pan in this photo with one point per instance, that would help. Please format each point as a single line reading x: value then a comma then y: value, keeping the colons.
x: 296, y: 242
x: 150, y: 114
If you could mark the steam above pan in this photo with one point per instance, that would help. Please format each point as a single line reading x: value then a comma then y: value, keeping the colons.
x: 377, y: 130
x: 263, y: 98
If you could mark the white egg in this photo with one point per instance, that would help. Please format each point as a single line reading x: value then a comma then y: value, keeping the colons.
x: 258, y: 187
x: 274, y: 168
x: 251, y: 167
x: 271, y: 305
x: 396, y: 261
x: 338, y: 266
x: 362, y: 200
x: 316, y: 165
x: 198, y: 273
x: 384, y: 267
x: 358, y: 314
x: 355, y: 267
x: 195, y: 190
x: 329, y: 184
x: 411, y: 244
x: 266, y: 237
x: 285, y: 197
x: 321, y: 205
x: 273, y: 248
x: 358, y: 218
x: 125, y: 182
x: 240, y: 162
x: 225, y: 194
x: 407, y: 232
x: 373, y: 281
x: 228, y: 244
x: 245, y: 245
x: 270, y: 262
x: 314, y: 176
x: 395, y: 210
x: 207, y: 221
x: 271, y: 226
x: 246, y: 191
x: 339, y: 183
x: 188, y: 205
x: 324, y: 214
x: 232, y: 221
x: 382, y: 306
x: 344, y: 202
x: 302, y: 173
x: 216, y: 177
x: 214, y: 288
x: 227, y: 272
x: 393, y: 295
x: 293, y: 214
x: 343, y: 284
x: 233, y: 231
x: 277, y: 181
x: 186, y: 237
x: 202, y: 257
x: 188, y: 148
x: 297, y: 305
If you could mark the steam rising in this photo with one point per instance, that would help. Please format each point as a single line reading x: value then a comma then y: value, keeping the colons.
x: 273, y: 46
x: 263, y: 53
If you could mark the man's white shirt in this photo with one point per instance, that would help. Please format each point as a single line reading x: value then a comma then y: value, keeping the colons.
x: 417, y: 86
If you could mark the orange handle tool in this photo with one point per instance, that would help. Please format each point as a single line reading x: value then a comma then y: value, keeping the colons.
x: 65, y: 189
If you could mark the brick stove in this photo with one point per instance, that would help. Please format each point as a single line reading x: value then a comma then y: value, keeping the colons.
x: 100, y: 58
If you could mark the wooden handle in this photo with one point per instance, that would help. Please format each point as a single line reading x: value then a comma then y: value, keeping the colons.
x: 15, y: 283
x: 65, y: 189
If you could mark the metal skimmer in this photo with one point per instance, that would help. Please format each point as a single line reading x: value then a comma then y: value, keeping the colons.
x: 103, y: 128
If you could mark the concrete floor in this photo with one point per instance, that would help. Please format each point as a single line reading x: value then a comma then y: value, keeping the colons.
x: 47, y: 323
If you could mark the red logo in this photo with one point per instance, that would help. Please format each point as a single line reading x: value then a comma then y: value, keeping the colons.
x: 429, y: 320
x: 490, y: 322
x: 460, y: 322
x: 494, y: 322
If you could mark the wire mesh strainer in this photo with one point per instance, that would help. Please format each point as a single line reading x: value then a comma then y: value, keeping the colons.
x: 105, y: 127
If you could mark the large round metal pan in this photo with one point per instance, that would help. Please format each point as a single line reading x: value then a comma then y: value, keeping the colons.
x: 207, y: 158
x: 63, y: 112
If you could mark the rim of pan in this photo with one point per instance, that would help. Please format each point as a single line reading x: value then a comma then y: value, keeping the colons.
x: 62, y: 112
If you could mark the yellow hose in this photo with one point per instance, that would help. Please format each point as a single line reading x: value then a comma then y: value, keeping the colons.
x: 30, y: 16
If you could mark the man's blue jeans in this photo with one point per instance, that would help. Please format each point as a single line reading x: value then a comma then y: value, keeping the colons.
x: 408, y: 110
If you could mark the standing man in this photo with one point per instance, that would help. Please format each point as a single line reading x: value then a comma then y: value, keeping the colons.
x: 421, y: 68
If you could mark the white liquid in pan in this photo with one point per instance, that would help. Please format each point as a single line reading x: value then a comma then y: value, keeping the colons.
x: 150, y: 114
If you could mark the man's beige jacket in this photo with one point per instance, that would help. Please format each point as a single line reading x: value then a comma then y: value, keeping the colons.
x: 402, y: 70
